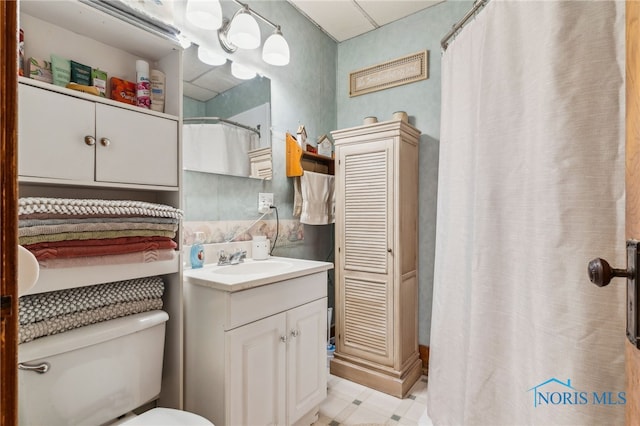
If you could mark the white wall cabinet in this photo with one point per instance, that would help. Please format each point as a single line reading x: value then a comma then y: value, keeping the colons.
x: 66, y: 137
x: 376, y: 256
x: 257, y: 356
x: 141, y: 162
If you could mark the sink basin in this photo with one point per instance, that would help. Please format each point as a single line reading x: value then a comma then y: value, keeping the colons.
x: 253, y: 273
x: 261, y: 267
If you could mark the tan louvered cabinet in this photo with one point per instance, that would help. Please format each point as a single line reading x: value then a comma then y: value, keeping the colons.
x: 376, y: 301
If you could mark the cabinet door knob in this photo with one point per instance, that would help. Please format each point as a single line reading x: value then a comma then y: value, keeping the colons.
x: 283, y: 339
x: 295, y: 333
x: 89, y: 140
x: 105, y: 141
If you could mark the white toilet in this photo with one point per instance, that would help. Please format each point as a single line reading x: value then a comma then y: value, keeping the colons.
x: 96, y: 374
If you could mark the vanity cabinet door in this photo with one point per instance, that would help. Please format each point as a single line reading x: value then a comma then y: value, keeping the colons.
x: 135, y: 148
x: 51, y: 135
x: 306, y: 358
x: 256, y: 372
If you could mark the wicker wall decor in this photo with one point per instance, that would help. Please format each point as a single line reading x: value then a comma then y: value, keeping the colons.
x: 404, y: 70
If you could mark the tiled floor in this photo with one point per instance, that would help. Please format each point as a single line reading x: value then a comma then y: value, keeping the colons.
x: 349, y: 403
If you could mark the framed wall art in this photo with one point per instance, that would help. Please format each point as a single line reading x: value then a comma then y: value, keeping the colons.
x: 404, y: 70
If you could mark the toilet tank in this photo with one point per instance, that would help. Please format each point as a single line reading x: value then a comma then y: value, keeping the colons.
x: 96, y: 373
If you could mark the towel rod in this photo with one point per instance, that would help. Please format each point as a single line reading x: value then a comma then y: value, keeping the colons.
x: 224, y: 120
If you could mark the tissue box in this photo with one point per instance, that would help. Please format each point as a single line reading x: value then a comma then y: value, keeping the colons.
x: 39, y: 69
x: 123, y: 90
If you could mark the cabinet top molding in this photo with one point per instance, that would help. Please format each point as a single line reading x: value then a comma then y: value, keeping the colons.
x: 394, y: 126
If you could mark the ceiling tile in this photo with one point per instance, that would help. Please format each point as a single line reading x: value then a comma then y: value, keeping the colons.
x: 385, y: 11
x: 193, y: 68
x: 339, y: 18
x: 196, y: 92
x: 344, y: 19
x: 218, y: 79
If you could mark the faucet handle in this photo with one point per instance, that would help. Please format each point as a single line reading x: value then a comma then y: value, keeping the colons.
x: 222, y: 256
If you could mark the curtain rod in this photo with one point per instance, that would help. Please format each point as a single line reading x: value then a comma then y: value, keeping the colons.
x: 224, y: 120
x: 479, y: 4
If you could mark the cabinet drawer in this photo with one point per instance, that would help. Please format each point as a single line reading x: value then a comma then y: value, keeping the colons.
x: 250, y: 305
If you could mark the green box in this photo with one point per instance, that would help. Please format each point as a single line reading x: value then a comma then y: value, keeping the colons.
x: 61, y: 69
x: 80, y: 73
x: 99, y: 80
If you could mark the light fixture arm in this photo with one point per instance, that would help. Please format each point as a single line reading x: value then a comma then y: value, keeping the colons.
x: 275, y: 50
x: 254, y: 13
x: 226, y: 45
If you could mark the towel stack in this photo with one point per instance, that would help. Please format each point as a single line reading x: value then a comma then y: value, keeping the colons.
x: 45, y: 314
x: 63, y: 232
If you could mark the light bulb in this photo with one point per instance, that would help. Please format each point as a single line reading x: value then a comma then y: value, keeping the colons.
x: 276, y: 50
x: 242, y: 72
x: 205, y: 14
x: 210, y: 57
x: 244, y: 31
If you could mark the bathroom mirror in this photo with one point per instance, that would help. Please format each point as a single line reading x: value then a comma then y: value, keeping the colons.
x: 226, y: 121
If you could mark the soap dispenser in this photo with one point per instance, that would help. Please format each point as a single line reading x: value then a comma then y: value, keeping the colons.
x: 197, y: 251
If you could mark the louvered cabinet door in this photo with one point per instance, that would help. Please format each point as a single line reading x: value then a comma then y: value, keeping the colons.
x: 364, y: 235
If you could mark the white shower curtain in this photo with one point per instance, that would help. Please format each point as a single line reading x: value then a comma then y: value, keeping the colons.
x: 218, y: 148
x: 531, y: 187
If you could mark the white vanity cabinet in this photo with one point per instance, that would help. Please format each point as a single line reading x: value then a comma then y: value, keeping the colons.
x: 256, y: 356
x: 63, y: 136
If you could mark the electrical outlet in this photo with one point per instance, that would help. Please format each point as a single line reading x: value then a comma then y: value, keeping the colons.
x: 265, y: 201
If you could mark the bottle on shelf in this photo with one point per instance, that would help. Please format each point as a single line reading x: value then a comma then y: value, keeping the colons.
x: 143, y: 84
x: 197, y: 251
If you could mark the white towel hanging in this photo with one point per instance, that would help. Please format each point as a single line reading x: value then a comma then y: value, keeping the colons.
x: 317, y: 191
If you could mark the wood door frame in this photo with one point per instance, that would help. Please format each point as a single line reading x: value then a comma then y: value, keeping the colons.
x: 632, y: 182
x: 8, y: 212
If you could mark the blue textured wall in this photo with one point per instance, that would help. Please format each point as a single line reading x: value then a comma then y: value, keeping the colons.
x: 421, y: 100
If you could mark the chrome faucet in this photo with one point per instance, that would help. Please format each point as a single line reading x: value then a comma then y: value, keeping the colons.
x: 222, y: 258
x: 237, y: 257
x: 234, y: 258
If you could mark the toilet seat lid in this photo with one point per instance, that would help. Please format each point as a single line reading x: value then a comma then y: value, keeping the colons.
x: 168, y: 417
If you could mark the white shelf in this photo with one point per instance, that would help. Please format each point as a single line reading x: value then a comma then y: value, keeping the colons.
x: 65, y: 278
x: 88, y: 21
x: 93, y: 184
x: 79, y: 30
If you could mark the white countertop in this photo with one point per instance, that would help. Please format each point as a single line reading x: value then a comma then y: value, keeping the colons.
x: 275, y: 269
